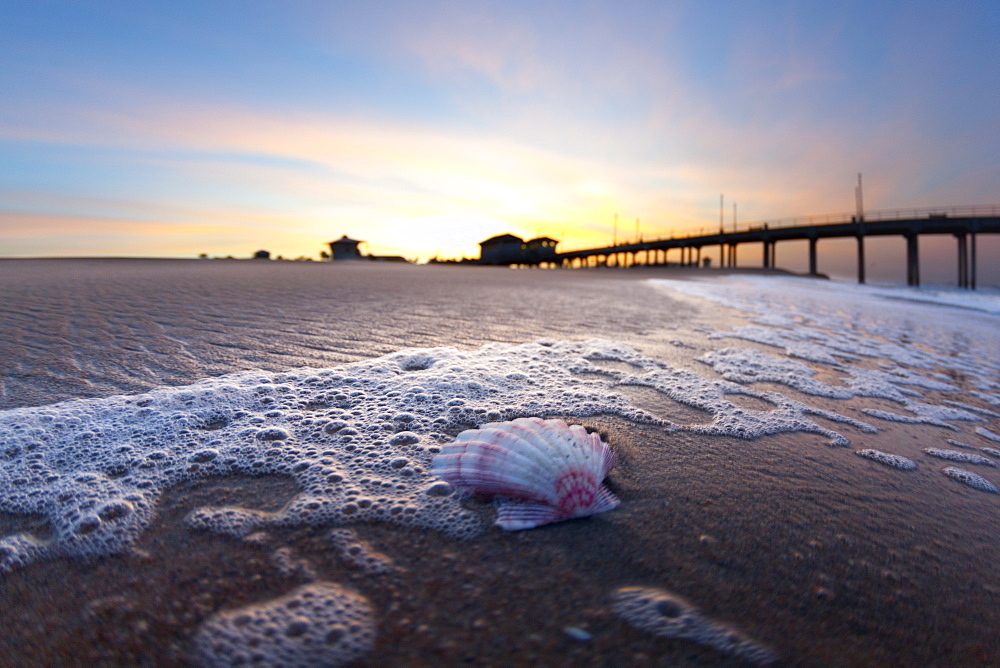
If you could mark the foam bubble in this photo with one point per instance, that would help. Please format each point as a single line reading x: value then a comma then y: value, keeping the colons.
x: 747, y: 365
x: 358, y: 553
x: 289, y: 565
x: 971, y: 479
x: 988, y: 435
x: 801, y: 343
x: 985, y: 412
x: 895, y: 461
x: 357, y: 440
x: 731, y: 419
x: 841, y: 327
x: 319, y: 624
x: 956, y: 456
x: 667, y: 615
x: 925, y: 418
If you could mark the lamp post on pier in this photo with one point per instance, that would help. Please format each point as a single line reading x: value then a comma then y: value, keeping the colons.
x: 860, y: 217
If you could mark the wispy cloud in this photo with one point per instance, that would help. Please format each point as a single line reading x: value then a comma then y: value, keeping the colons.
x: 346, y: 167
x: 454, y: 120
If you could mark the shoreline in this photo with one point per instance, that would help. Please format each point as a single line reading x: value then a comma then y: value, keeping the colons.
x: 365, y: 262
x: 639, y: 272
x: 821, y: 555
x: 771, y: 566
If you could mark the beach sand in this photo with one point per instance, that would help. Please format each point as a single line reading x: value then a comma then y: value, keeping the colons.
x: 824, y: 557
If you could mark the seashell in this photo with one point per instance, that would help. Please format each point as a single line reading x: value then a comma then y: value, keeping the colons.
x: 545, y: 471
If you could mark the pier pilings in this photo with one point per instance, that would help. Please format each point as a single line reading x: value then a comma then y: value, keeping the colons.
x: 965, y: 223
x: 912, y: 259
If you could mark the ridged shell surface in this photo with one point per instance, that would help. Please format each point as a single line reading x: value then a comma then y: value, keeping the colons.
x: 544, y: 470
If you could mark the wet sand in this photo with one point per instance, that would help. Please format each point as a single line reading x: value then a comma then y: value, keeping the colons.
x: 823, y: 556
x: 92, y: 328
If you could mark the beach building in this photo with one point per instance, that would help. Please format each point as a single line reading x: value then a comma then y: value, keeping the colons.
x: 540, y: 249
x: 501, y: 249
x: 509, y: 249
x: 345, y: 248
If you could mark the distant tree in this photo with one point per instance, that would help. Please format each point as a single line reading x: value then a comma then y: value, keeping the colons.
x: 263, y: 255
x: 203, y: 256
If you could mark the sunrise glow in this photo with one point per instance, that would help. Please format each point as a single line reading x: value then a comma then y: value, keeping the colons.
x: 173, y: 130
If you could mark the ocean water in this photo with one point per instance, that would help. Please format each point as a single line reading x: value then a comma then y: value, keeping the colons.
x: 230, y: 461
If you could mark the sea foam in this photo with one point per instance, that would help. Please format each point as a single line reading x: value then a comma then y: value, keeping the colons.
x: 667, y: 615
x: 895, y: 461
x: 878, y: 343
x: 358, y: 439
x: 319, y: 624
x: 971, y: 479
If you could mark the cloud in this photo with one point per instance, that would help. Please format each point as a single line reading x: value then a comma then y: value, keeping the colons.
x: 307, y: 167
x: 466, y: 120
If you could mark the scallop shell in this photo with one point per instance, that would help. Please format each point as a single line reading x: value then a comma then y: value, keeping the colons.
x: 545, y: 470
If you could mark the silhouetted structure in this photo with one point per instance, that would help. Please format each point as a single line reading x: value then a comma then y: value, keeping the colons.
x: 262, y: 255
x: 507, y: 249
x: 964, y: 223
x: 501, y: 249
x: 345, y: 249
x: 540, y: 249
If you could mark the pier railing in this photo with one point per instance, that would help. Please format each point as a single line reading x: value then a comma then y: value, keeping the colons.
x: 883, y: 214
x: 826, y: 219
x: 963, y: 222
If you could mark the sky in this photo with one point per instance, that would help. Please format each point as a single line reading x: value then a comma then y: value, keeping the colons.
x: 172, y: 129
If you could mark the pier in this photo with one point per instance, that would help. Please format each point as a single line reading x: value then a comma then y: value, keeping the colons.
x: 964, y: 223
